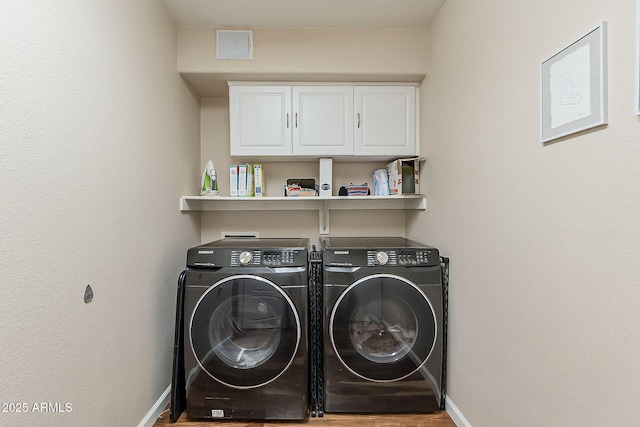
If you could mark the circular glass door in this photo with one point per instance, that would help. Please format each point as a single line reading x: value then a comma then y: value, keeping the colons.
x: 244, y: 331
x: 382, y: 328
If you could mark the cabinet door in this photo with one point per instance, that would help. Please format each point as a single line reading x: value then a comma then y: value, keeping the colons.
x: 385, y: 120
x: 260, y: 120
x: 323, y: 120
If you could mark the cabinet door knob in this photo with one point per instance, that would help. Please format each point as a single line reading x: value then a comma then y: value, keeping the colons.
x: 287, y: 120
x: 296, y: 120
x: 358, y: 120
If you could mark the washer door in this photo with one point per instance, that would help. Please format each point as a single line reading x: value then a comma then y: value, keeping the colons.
x: 382, y: 328
x: 244, y: 331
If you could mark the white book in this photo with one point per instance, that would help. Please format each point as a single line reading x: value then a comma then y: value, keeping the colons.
x: 258, y: 181
x: 250, y: 181
x: 233, y: 180
x: 242, y: 180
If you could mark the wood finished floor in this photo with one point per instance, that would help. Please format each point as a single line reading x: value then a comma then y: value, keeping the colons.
x: 441, y: 419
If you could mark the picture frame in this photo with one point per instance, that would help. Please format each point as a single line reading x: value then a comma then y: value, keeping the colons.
x: 573, y: 86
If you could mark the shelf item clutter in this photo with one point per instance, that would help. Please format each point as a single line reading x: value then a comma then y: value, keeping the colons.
x: 404, y: 176
x: 357, y: 189
x: 246, y: 180
x: 301, y: 187
x: 209, y: 181
x: 302, y: 194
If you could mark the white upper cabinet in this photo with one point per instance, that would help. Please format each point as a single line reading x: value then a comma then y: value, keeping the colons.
x: 322, y: 120
x: 260, y: 120
x: 385, y: 120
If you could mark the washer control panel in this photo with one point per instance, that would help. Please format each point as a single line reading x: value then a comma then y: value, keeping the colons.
x: 398, y: 257
x: 267, y: 258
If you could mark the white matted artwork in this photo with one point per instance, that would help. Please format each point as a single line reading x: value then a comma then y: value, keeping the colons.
x: 573, y: 85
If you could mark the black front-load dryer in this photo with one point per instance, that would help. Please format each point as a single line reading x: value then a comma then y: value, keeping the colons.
x: 245, y: 329
x: 383, y: 326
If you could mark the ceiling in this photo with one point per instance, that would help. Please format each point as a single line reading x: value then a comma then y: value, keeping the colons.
x: 303, y: 13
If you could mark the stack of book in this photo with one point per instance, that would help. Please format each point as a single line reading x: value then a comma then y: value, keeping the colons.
x: 246, y: 180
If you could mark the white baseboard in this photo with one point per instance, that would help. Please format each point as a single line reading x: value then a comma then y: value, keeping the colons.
x: 455, y: 413
x: 156, y: 409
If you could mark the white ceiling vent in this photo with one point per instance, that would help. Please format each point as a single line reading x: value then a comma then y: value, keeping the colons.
x: 234, y: 44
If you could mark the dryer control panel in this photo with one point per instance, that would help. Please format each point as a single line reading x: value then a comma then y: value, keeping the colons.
x: 397, y: 257
x: 381, y: 257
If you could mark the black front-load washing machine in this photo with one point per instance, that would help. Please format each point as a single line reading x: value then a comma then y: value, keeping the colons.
x: 383, y: 325
x: 245, y: 329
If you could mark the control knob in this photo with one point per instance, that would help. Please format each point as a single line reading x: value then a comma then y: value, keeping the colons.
x: 245, y: 257
x: 382, y: 258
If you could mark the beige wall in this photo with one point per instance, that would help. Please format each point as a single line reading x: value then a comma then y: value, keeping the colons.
x: 100, y: 137
x: 326, y: 51
x: 543, y: 239
x: 305, y: 55
x: 99, y: 140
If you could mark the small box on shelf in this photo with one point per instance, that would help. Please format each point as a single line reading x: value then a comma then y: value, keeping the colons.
x: 301, y: 187
x: 404, y: 176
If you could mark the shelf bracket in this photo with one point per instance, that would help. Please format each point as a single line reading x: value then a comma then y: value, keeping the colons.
x: 323, y: 213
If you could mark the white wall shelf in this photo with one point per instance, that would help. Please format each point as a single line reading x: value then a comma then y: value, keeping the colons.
x: 321, y: 204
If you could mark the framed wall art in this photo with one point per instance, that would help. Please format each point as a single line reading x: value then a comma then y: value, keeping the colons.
x: 573, y: 86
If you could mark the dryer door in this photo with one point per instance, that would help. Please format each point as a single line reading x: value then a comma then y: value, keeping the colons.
x: 244, y: 331
x: 383, y: 328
